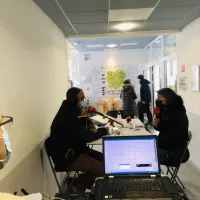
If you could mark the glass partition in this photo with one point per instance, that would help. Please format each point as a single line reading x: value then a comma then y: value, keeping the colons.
x: 171, y: 74
x: 156, y: 78
x: 157, y: 49
x: 147, y: 53
x: 147, y: 74
x: 169, y: 45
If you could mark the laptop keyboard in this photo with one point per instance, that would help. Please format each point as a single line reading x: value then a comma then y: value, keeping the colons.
x: 139, y: 185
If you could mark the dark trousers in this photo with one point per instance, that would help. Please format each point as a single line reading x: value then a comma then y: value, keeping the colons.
x: 145, y: 108
x: 163, y: 157
x: 92, y: 166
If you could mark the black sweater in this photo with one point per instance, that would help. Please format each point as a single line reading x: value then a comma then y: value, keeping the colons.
x: 173, y: 127
x: 68, y: 130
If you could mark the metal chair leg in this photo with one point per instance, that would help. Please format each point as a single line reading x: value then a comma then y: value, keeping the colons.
x: 181, y: 183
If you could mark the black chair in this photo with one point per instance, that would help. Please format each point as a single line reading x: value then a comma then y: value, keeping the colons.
x: 174, y: 169
x: 113, y: 113
x: 70, y: 180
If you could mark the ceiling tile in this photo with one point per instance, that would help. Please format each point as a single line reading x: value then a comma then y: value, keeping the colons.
x: 49, y: 7
x: 129, y: 4
x: 129, y: 14
x: 94, y: 28
x: 67, y: 30
x: 88, y: 17
x: 171, y: 12
x: 165, y: 24
x: 173, y: 3
x: 111, y: 26
x: 193, y: 16
x: 83, y: 5
x: 54, y: 12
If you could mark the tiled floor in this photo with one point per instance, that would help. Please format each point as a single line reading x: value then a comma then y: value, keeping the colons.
x: 190, y: 176
x: 191, y: 179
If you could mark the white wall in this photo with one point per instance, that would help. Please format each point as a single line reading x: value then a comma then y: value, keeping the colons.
x: 188, y: 48
x: 121, y: 58
x: 33, y: 82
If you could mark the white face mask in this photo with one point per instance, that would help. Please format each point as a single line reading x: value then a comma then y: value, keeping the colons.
x: 7, y: 143
x: 84, y: 104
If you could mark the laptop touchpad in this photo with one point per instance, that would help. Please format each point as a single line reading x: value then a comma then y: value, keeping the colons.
x: 132, y: 194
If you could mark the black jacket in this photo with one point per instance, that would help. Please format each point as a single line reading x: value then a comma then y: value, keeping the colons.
x: 145, y: 92
x: 173, y: 127
x: 68, y: 130
x: 128, y: 97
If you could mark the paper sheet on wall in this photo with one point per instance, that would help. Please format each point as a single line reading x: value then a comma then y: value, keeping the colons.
x: 99, y: 83
x: 87, y: 89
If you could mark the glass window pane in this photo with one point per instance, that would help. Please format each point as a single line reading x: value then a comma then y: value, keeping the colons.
x: 157, y: 49
x: 156, y: 75
x: 169, y: 45
x: 171, y: 74
x: 147, y: 55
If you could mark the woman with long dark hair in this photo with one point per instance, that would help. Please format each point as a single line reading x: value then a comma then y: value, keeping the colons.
x: 172, y: 124
x: 70, y: 133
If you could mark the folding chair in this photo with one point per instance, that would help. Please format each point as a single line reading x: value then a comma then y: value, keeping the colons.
x: 72, y: 179
x: 173, y: 170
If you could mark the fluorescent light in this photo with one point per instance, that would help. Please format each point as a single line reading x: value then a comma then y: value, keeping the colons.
x: 75, y: 43
x: 158, y: 41
x: 111, y: 45
x: 125, y: 26
x: 129, y: 44
x: 95, y: 45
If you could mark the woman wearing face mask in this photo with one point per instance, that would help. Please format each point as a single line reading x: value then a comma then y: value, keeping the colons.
x: 172, y: 124
x: 69, y: 136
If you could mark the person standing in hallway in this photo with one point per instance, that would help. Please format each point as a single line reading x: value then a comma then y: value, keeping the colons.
x: 128, y: 98
x: 145, y: 95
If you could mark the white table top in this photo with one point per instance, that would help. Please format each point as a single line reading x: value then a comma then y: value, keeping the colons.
x: 124, y: 132
x: 100, y: 119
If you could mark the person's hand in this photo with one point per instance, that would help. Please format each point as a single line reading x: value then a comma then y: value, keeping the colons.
x: 94, y: 130
x: 107, y: 129
x: 155, y: 122
x: 143, y: 102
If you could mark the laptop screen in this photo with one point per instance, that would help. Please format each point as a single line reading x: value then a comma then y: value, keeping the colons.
x: 131, y: 155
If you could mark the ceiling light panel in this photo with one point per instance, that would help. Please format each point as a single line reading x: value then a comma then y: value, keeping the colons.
x: 95, y: 45
x: 128, y: 44
x: 112, y: 45
x: 125, y: 26
x: 129, y: 14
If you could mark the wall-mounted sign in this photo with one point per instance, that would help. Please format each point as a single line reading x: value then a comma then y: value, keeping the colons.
x: 87, y: 57
x: 182, y: 68
x: 183, y: 83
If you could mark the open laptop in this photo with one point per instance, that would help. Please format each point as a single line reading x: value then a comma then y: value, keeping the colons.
x: 132, y: 169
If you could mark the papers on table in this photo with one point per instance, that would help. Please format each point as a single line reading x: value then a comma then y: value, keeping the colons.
x: 36, y: 196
